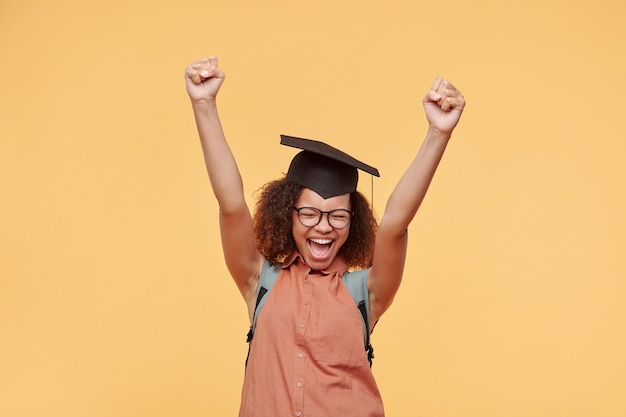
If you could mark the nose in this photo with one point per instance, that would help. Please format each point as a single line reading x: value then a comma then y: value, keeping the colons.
x: 324, y: 224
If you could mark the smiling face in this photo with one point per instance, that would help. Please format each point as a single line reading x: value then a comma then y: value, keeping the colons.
x: 319, y: 244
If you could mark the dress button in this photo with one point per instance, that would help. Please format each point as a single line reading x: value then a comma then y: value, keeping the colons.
x: 301, y: 355
x: 302, y: 325
x: 298, y: 414
x: 299, y: 384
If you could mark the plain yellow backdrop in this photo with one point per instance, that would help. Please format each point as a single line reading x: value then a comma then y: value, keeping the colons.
x: 114, y: 298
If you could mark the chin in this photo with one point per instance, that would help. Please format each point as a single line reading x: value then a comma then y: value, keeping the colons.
x: 318, y: 265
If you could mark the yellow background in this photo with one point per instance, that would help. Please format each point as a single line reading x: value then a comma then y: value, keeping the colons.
x: 114, y: 298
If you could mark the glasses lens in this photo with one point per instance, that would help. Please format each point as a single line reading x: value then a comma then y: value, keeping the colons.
x: 339, y: 218
x: 309, y: 216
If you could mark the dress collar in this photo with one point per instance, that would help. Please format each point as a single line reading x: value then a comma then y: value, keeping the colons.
x: 337, y: 265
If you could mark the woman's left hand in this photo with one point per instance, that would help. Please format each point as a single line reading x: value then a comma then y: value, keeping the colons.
x: 443, y: 105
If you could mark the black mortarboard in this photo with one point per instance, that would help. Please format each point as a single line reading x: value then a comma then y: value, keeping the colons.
x: 324, y: 169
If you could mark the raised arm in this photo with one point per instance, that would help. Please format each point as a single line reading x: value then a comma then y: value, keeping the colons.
x: 443, y: 106
x: 204, y: 79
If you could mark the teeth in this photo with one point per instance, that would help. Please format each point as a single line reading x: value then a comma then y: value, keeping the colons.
x: 321, y: 241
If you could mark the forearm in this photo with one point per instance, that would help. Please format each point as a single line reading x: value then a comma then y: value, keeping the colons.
x: 410, y: 191
x: 220, y: 162
x: 443, y: 106
x: 391, y: 239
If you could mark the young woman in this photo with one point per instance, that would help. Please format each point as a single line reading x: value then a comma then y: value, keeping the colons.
x: 307, y: 356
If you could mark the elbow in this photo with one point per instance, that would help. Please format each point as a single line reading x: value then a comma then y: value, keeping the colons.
x: 393, y: 232
x: 233, y: 208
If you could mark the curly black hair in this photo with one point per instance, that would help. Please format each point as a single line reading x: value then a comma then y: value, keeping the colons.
x: 272, y: 225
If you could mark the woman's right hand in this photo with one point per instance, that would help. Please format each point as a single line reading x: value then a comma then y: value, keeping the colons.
x: 203, y: 79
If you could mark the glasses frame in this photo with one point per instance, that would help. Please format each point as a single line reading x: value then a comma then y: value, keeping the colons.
x: 321, y: 214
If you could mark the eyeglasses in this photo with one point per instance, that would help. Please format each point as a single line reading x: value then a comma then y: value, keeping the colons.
x: 310, y: 216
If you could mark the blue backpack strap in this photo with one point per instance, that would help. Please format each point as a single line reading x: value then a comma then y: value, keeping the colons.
x: 356, y: 282
x: 268, y: 276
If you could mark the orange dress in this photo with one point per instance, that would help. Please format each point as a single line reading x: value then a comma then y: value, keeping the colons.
x: 307, y: 357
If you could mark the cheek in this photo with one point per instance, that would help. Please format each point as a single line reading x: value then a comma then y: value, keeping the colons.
x: 343, y: 235
x: 297, y: 230
x: 294, y: 224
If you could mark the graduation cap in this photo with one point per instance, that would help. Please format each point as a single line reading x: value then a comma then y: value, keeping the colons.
x: 324, y: 169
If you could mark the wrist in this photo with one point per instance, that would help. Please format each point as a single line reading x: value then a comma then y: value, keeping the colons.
x: 204, y: 103
x: 436, y: 134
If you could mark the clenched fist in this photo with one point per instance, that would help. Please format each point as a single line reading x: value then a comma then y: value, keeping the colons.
x: 443, y: 105
x: 203, y: 79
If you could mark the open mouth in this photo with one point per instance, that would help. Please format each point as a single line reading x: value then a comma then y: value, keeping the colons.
x: 320, y: 248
